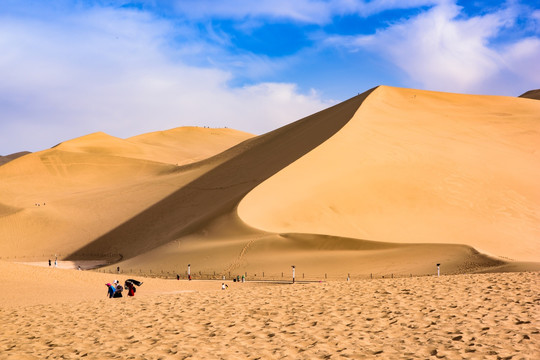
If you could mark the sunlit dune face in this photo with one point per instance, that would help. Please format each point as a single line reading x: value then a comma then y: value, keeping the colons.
x: 416, y: 166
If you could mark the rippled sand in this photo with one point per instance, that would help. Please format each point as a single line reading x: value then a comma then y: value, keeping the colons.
x: 487, y: 316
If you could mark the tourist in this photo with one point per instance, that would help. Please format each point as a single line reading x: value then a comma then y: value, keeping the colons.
x: 110, y: 290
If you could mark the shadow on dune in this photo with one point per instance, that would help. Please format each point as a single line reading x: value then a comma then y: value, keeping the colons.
x: 349, y: 255
x: 8, y: 158
x: 239, y: 170
x: 531, y: 94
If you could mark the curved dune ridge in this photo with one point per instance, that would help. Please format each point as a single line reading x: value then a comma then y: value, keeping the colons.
x: 57, y: 200
x: 177, y: 146
x: 417, y: 167
x: 391, y: 181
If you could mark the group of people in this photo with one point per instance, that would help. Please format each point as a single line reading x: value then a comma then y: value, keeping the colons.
x: 237, y: 278
x: 115, y: 289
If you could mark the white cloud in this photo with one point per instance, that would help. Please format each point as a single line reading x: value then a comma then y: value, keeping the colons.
x: 442, y: 50
x: 523, y: 59
x: 118, y: 71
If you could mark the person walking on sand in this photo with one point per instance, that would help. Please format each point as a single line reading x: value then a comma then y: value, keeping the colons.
x: 224, y: 286
x: 49, y: 262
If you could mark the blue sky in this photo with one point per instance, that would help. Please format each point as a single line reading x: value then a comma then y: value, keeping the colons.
x: 72, y: 67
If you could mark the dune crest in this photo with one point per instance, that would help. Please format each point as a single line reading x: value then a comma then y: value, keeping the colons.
x: 178, y: 146
x: 226, y: 179
x: 417, y: 167
x: 57, y: 200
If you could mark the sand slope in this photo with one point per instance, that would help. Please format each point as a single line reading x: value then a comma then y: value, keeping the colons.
x: 417, y: 167
x: 231, y: 175
x: 57, y: 200
x: 177, y: 146
x: 531, y: 94
x: 390, y: 182
x: 209, y: 235
x: 7, y: 158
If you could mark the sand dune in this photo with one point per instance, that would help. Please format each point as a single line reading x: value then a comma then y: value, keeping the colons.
x: 232, y: 175
x: 266, y: 256
x: 205, y: 231
x: 391, y: 181
x: 177, y: 146
x: 378, y: 189
x: 185, y: 145
x: 416, y: 166
x: 58, y: 200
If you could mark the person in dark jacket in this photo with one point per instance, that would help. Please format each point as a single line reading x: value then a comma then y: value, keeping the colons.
x: 131, y: 288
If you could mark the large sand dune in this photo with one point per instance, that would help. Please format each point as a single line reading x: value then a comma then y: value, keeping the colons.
x: 417, y: 167
x: 391, y: 181
x: 379, y: 188
x: 58, y: 200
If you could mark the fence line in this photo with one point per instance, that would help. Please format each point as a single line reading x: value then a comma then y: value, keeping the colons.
x: 260, y: 276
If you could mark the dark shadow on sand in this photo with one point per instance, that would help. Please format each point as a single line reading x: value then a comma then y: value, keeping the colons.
x: 219, y: 190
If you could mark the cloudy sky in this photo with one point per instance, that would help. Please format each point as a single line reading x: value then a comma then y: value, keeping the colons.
x: 73, y: 67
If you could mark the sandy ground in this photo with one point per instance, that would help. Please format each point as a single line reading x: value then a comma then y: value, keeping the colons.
x: 390, y: 182
x: 63, y: 264
x: 487, y: 316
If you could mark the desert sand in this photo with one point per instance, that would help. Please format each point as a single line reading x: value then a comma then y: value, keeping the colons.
x: 7, y: 158
x: 55, y: 201
x: 440, y: 168
x: 378, y: 189
x: 391, y: 181
x: 56, y: 313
